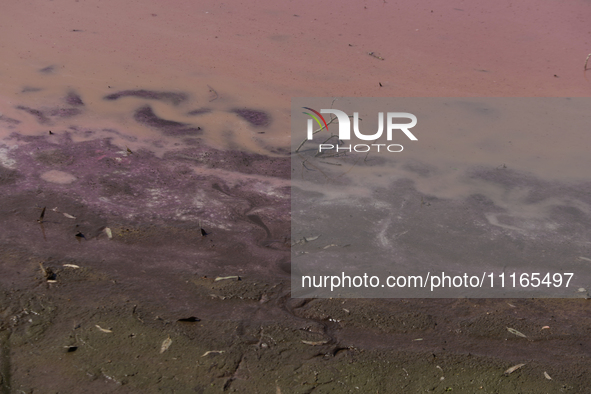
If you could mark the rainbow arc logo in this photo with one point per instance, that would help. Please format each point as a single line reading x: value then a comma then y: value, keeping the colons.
x: 316, y: 115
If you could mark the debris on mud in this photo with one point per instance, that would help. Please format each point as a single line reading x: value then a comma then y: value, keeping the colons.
x: 513, y: 369
x: 515, y: 332
x: 103, y: 329
x: 191, y: 319
x: 226, y: 278
x: 165, y: 345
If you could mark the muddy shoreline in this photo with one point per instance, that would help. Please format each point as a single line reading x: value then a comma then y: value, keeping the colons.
x: 109, y: 302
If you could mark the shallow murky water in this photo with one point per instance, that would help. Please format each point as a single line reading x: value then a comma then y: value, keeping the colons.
x: 231, y: 55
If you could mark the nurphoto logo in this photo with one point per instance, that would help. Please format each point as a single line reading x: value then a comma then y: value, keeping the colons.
x: 344, y: 123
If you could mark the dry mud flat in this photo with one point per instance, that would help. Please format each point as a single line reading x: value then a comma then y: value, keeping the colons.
x: 116, y: 291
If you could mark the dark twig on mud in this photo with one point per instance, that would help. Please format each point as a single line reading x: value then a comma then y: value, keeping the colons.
x: 40, y: 220
x: 372, y: 54
x: 203, y: 232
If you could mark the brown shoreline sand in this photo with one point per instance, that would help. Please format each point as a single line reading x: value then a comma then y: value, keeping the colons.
x: 115, y: 290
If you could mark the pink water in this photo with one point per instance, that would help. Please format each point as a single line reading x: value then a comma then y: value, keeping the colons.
x: 258, y: 54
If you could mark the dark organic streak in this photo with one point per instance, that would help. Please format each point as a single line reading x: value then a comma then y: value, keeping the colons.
x: 47, y: 70
x: 65, y: 112
x: 256, y: 118
x: 280, y: 151
x: 124, y: 136
x: 173, y: 98
x: 74, y: 100
x: 236, y: 161
x: 146, y: 116
x: 9, y: 120
x: 200, y: 111
x: 41, y: 118
x: 28, y: 89
x: 191, y: 141
x: 58, y: 112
